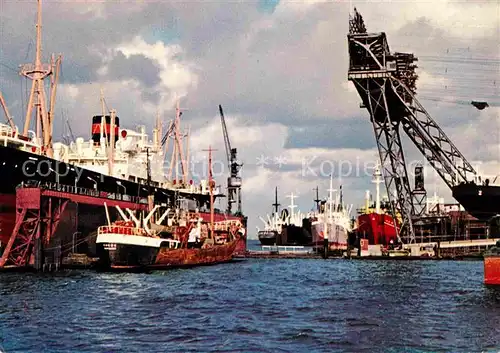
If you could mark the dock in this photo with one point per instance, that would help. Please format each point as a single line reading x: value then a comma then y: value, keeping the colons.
x: 281, y: 252
x: 470, y: 249
x: 53, y: 219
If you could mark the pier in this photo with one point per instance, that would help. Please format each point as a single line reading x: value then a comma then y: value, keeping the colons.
x: 48, y: 217
x: 282, y: 252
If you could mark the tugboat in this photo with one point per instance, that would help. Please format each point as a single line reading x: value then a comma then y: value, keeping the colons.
x: 375, y: 223
x: 492, y: 265
x: 185, y: 240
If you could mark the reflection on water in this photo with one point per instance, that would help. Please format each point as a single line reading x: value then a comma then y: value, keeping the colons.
x: 255, y: 306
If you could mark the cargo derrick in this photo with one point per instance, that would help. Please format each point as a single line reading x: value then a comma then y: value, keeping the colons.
x: 386, y: 83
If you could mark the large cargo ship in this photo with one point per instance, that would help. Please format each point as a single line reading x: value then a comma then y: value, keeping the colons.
x: 116, y: 163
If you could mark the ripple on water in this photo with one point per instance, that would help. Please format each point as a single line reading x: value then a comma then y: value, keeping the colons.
x: 255, y: 306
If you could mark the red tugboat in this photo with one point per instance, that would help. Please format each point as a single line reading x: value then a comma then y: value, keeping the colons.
x: 492, y: 265
x: 374, y: 224
x: 185, y: 240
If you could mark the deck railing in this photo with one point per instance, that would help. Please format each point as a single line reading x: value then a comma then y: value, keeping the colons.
x: 125, y: 230
x: 286, y: 249
x: 77, y: 190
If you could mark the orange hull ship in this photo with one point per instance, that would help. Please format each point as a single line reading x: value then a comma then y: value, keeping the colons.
x: 195, y: 257
x: 123, y: 246
x: 492, y: 266
x: 185, y: 239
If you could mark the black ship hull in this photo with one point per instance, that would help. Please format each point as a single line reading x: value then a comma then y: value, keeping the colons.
x: 480, y: 201
x: 78, y: 221
x: 18, y: 167
x: 125, y: 256
x: 267, y: 237
x: 295, y: 235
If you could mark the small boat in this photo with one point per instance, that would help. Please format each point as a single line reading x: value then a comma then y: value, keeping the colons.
x: 492, y: 265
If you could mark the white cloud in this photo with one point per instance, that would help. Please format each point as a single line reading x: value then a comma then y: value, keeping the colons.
x: 80, y: 102
x: 176, y: 76
x: 285, y: 70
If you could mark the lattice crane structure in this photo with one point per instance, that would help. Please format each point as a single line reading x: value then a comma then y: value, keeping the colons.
x: 386, y: 83
x: 234, y: 181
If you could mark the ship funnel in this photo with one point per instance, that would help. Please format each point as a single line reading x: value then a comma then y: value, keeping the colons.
x: 105, y: 122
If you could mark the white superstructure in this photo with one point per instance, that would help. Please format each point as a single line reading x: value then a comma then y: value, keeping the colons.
x: 333, y: 222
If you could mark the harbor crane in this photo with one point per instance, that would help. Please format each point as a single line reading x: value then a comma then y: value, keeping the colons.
x: 386, y: 83
x: 234, y: 180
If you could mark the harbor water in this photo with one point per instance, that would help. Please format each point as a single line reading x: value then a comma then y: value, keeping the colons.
x: 255, y: 305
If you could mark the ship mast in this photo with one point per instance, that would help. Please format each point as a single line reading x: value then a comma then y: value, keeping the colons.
x: 178, y: 143
x: 367, y: 201
x: 331, y: 190
x: 211, y: 188
x: 37, y: 72
x: 103, y: 122
x: 377, y: 180
x: 150, y: 194
x: 177, y: 147
x: 276, y: 204
x: 111, y: 149
x: 317, y: 200
x: 292, y: 206
x: 56, y: 66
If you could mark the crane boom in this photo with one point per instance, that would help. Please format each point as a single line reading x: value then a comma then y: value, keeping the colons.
x: 225, y: 134
x: 6, y: 111
x: 234, y: 180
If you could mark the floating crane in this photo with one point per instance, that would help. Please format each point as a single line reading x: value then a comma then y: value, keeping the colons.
x: 6, y: 111
x: 234, y: 180
x: 385, y: 82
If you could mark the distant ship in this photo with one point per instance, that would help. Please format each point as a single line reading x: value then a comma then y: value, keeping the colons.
x: 296, y: 228
x: 272, y: 225
x: 285, y: 227
x: 374, y: 223
x: 332, y: 221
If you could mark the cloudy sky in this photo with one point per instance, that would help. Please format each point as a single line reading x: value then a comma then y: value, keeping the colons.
x: 279, y: 69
